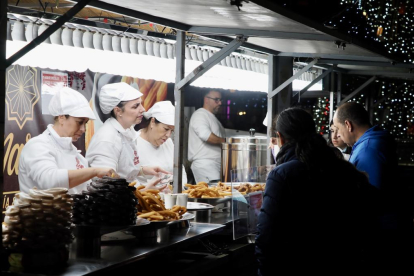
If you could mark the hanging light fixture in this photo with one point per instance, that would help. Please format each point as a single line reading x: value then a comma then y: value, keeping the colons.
x: 107, y: 42
x: 205, y: 54
x: 188, y: 52
x: 170, y: 50
x: 238, y: 62
x: 228, y: 61
x: 142, y: 47
x: 133, y: 45
x: 199, y: 54
x: 163, y: 50
x: 233, y: 62
x: 156, y: 49
x: 77, y: 38
x: 149, y: 47
x: 29, y: 32
x: 41, y: 29
x: 56, y: 37
x: 249, y: 64
x: 67, y: 36
x: 193, y: 52
x: 243, y: 63
x: 97, y: 41
x: 125, y: 45
x: 116, y: 43
x: 87, y: 40
x: 18, y: 31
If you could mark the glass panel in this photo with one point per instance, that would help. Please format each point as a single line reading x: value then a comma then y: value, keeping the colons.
x: 246, y: 198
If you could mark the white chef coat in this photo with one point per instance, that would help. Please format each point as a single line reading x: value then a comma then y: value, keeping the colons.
x: 45, y: 161
x: 115, y: 147
x: 205, y: 157
x: 162, y: 156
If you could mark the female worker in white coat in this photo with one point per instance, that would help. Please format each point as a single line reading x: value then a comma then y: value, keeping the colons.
x: 154, y: 142
x: 50, y: 159
x: 114, y: 145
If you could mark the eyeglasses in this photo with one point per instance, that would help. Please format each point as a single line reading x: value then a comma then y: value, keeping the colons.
x: 217, y: 100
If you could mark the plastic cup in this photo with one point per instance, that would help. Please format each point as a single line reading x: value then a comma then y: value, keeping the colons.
x: 170, y: 200
x: 182, y: 200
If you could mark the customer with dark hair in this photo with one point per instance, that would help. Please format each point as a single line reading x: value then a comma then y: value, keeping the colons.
x: 374, y: 152
x: 337, y: 142
x: 373, y: 149
x: 308, y: 224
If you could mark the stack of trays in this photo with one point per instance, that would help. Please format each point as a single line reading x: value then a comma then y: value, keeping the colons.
x: 38, y: 220
x: 107, y: 202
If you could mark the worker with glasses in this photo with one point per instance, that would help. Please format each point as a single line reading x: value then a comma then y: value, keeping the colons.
x: 205, y: 136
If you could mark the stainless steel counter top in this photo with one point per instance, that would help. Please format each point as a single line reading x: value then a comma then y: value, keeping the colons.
x: 216, y: 218
x: 124, y: 252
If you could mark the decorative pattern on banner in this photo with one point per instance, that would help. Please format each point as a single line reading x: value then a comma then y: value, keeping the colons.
x: 21, y: 94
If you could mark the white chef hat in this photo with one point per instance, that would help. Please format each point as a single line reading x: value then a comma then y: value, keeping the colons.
x: 67, y: 101
x: 114, y: 93
x: 162, y: 111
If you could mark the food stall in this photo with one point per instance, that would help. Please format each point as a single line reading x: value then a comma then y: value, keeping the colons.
x: 50, y: 232
x: 184, y: 245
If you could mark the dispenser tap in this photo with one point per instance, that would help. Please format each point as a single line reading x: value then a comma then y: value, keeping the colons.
x: 252, y: 131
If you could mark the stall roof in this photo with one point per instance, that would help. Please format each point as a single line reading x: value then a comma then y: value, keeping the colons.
x: 271, y: 29
x: 264, y: 27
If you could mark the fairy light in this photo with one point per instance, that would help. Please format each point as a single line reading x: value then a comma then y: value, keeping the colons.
x: 321, y: 115
x: 390, y: 24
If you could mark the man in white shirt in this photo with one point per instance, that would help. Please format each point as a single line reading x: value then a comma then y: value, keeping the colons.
x: 206, y: 134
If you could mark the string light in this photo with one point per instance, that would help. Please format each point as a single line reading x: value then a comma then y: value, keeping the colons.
x: 390, y: 24
x: 321, y: 115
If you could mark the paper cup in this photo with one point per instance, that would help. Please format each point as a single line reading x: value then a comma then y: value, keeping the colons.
x: 182, y: 200
x: 170, y: 200
x: 162, y: 196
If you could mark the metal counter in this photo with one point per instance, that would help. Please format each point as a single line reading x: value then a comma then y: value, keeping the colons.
x: 224, y: 218
x: 124, y: 252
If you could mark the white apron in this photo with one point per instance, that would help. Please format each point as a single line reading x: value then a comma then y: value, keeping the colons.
x: 115, y: 147
x: 206, y: 169
x: 128, y: 160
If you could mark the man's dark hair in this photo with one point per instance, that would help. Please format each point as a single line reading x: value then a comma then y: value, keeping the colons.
x: 208, y: 92
x: 354, y: 113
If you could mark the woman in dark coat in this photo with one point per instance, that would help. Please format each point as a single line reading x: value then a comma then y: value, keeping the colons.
x: 316, y: 207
